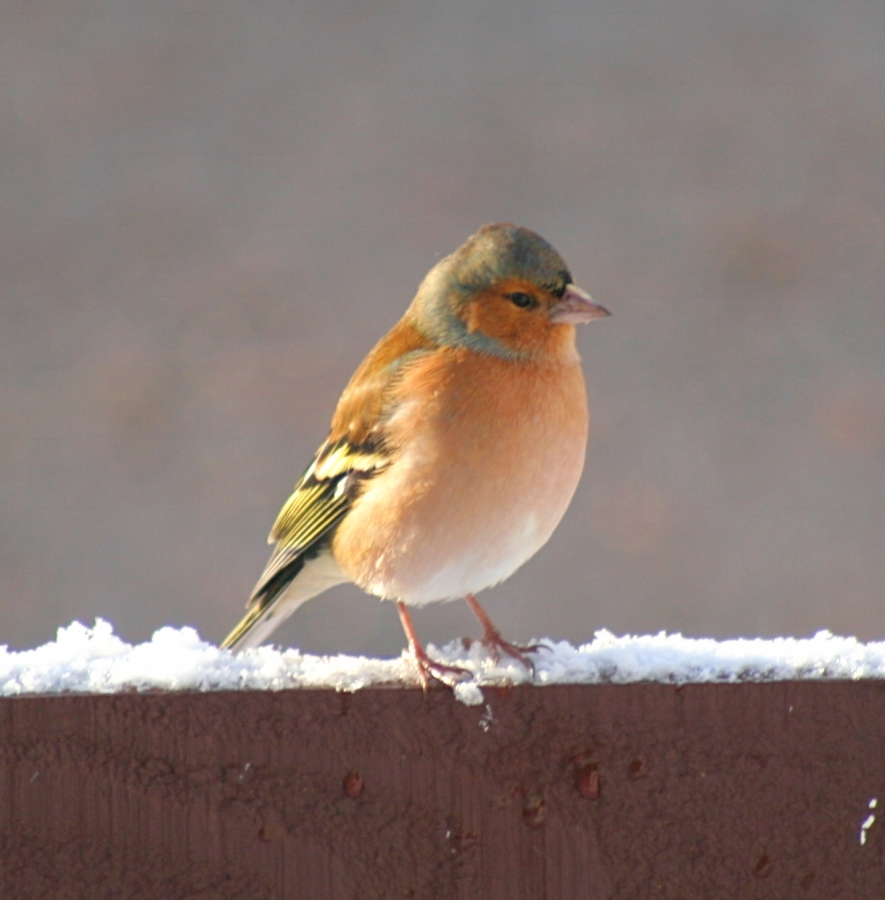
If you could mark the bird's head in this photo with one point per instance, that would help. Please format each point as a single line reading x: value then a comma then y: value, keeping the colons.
x: 504, y: 291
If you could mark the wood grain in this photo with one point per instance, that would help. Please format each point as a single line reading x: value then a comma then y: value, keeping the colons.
x: 640, y: 791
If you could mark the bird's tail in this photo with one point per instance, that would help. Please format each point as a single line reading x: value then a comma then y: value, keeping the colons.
x: 302, y: 579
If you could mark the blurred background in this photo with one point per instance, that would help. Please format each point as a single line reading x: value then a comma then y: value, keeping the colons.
x: 211, y: 210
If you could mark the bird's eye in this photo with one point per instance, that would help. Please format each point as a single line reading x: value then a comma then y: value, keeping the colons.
x: 523, y: 301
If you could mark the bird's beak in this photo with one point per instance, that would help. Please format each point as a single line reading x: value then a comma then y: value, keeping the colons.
x: 576, y: 306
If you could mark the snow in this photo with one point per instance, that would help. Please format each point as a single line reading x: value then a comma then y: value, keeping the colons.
x: 868, y: 822
x: 95, y: 660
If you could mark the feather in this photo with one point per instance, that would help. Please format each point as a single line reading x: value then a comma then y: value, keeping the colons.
x: 321, y: 498
x: 310, y: 574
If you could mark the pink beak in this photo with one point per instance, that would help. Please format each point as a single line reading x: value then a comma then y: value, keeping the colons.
x: 576, y: 306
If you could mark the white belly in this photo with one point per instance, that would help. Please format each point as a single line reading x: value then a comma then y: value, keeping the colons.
x: 473, y: 569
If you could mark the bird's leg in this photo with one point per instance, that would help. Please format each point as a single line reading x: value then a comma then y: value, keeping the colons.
x: 495, y: 644
x: 427, y: 667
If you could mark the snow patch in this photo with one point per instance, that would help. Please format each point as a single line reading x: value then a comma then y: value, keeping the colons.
x: 868, y: 822
x: 95, y: 660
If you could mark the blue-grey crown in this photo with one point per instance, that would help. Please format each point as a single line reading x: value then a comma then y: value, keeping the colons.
x: 501, y: 251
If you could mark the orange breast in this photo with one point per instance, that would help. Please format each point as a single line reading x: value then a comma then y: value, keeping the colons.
x: 485, y: 466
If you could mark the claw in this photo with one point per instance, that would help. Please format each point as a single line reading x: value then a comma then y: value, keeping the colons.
x: 496, y: 645
x: 429, y: 668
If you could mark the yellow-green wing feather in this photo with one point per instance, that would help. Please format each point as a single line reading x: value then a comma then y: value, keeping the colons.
x: 320, y: 500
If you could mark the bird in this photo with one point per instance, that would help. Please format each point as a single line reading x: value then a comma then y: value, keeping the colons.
x: 454, y: 450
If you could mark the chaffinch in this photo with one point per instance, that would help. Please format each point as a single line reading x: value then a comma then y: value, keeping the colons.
x: 454, y: 450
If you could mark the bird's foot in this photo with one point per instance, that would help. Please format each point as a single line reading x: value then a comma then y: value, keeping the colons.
x: 429, y: 668
x: 496, y: 645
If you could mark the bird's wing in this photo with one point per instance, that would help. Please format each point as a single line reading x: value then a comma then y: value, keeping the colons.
x: 320, y: 500
x: 354, y: 452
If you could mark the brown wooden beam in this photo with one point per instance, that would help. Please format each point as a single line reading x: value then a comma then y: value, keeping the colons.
x: 639, y: 791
